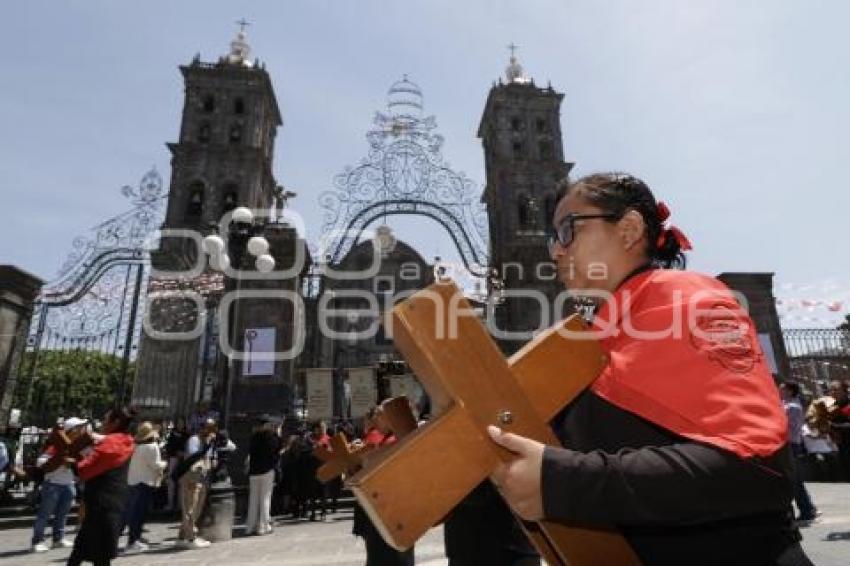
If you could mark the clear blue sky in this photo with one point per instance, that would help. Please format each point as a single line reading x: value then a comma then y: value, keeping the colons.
x: 735, y: 112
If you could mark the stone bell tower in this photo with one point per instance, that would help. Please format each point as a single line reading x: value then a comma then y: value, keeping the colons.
x: 222, y: 160
x: 520, y: 132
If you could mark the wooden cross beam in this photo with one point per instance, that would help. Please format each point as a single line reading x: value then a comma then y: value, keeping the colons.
x: 410, y: 486
x: 341, y: 458
x: 65, y: 448
x: 344, y: 458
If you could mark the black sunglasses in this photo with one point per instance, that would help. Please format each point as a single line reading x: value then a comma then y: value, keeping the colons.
x: 564, y: 232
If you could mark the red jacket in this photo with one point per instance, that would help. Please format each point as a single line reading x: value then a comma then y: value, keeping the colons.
x: 112, y: 452
x: 702, y: 374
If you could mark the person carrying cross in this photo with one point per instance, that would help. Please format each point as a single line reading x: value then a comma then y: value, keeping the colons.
x: 681, y: 442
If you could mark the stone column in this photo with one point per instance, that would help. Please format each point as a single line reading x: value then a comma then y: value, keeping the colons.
x: 18, y: 290
x: 269, y: 392
x: 758, y: 290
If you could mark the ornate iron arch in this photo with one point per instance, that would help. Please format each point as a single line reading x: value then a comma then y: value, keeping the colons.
x: 91, y: 291
x: 405, y: 173
x: 469, y: 254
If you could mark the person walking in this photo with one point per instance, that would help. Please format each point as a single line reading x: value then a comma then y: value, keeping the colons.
x: 175, y: 445
x: 104, y: 471
x: 681, y: 441
x: 263, y: 453
x: 192, y: 475
x: 57, y: 493
x: 794, y: 411
x: 143, y: 477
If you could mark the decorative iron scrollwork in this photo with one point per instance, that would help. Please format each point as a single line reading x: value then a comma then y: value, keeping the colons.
x: 88, y: 297
x: 404, y: 173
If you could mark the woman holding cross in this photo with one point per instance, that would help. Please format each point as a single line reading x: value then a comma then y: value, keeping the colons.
x: 681, y: 441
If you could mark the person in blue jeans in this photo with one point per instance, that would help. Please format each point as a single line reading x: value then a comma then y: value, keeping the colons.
x: 57, y: 494
x: 796, y: 417
x: 143, y: 477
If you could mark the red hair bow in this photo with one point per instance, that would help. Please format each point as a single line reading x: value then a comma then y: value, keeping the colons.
x: 663, y: 215
x: 684, y: 242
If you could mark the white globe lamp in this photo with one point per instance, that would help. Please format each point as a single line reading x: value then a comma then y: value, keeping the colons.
x: 258, y: 246
x: 243, y: 215
x: 265, y: 263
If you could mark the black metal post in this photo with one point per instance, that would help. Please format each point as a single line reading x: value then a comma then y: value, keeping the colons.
x: 121, y: 312
x: 237, y: 240
x: 131, y: 330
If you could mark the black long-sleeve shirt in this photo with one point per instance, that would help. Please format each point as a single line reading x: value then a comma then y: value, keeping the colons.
x: 263, y: 451
x: 675, y: 500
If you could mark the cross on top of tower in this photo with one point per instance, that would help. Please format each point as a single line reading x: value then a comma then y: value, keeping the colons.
x: 514, y: 71
x: 240, y: 51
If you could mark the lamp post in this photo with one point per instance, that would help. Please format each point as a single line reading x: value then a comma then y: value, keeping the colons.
x: 243, y: 235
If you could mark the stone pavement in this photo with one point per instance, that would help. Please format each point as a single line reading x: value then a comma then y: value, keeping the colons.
x: 329, y: 543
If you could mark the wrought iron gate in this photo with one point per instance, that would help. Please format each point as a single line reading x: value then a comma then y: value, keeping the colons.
x: 88, y: 319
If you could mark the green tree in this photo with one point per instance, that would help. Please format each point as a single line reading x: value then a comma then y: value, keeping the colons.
x: 846, y: 324
x: 76, y: 382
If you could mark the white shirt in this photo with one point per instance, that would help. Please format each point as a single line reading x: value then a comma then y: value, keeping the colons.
x: 146, y: 465
x: 61, y: 475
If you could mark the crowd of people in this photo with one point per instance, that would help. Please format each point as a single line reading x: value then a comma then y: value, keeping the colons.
x: 819, y: 429
x: 129, y: 468
x: 819, y: 435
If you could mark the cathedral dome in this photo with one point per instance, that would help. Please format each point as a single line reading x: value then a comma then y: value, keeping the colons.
x: 404, y: 99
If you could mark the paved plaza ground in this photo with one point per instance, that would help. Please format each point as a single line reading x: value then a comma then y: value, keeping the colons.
x: 330, y: 543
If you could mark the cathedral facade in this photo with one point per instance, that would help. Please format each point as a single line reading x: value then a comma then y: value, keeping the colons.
x: 211, y: 313
x: 224, y: 160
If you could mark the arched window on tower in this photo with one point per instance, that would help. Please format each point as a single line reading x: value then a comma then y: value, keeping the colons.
x: 545, y: 147
x: 208, y: 104
x: 204, y: 133
x: 522, y: 212
x: 540, y: 124
x: 235, y: 133
x: 518, y: 149
x: 550, y: 208
x: 529, y: 214
x: 239, y: 106
x: 228, y: 201
x: 195, y: 202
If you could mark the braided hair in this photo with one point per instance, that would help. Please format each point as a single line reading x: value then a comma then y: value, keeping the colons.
x: 617, y: 193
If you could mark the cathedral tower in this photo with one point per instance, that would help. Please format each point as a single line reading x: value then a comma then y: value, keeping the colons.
x: 520, y: 132
x: 223, y: 159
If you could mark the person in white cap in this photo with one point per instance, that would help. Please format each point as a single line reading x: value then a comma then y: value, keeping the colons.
x: 57, y: 493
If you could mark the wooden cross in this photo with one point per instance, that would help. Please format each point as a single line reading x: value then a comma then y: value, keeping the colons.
x: 410, y: 486
x: 344, y: 458
x: 341, y: 458
x: 65, y: 448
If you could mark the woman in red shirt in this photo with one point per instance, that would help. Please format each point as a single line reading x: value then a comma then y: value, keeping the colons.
x: 681, y: 441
